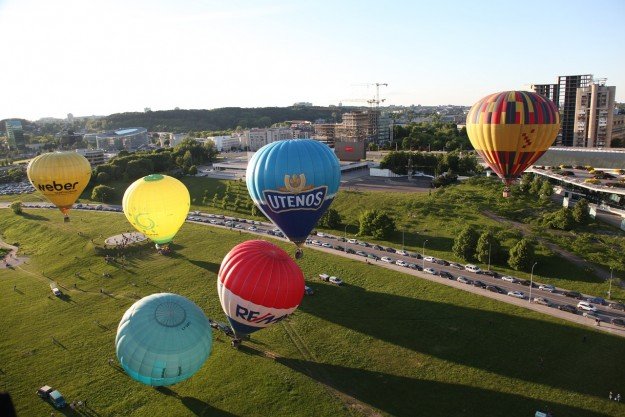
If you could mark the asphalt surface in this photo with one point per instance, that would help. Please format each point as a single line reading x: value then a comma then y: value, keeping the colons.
x: 555, y: 298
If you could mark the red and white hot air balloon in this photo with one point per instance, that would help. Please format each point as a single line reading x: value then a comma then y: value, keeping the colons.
x: 258, y: 285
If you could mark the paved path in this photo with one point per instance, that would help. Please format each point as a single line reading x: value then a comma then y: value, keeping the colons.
x: 125, y: 239
x: 11, y: 259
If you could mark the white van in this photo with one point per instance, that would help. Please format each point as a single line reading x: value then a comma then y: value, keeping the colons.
x: 472, y: 268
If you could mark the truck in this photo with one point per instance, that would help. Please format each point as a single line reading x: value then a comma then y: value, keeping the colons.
x: 54, y: 396
x: 55, y: 289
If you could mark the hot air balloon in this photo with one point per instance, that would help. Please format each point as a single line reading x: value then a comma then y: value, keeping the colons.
x: 61, y: 177
x: 293, y: 182
x: 258, y: 285
x: 157, y: 206
x: 511, y: 130
x: 163, y: 339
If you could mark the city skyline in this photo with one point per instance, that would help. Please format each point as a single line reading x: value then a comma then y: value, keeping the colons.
x: 110, y: 57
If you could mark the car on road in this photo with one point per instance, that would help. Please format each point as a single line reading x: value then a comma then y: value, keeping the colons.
x: 352, y: 241
x: 478, y: 283
x: 402, y: 252
x: 373, y: 256
x: 586, y: 306
x: 516, y: 294
x: 364, y: 244
x: 541, y: 300
x: 508, y: 278
x: 326, y: 245
x: 442, y: 262
x: 251, y: 228
x: 361, y: 253
x: 446, y: 274
x: 527, y: 283
x: 456, y: 265
x: 350, y: 250
x: 314, y: 242
x: 430, y: 271
x: 573, y: 294
x: 568, y: 308
x: 339, y: 248
x: 617, y: 306
x: 464, y: 280
x: 618, y: 322
x: 494, y: 288
x: 415, y: 266
x: 546, y: 287
x: 414, y: 255
x: 336, y: 280
x: 597, y: 300
x: 387, y: 259
x: 401, y: 263
x: 308, y: 290
x: 491, y: 273
x: 390, y: 250
x: 429, y: 259
x: 472, y: 268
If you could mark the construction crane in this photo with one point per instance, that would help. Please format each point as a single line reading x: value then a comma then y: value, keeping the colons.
x: 375, y: 100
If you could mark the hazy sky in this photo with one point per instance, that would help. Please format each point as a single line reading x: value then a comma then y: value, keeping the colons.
x: 107, y: 56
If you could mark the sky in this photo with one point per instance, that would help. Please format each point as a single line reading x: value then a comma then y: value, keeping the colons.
x: 98, y: 57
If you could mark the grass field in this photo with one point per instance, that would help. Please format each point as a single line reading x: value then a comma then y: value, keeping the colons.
x: 385, y: 343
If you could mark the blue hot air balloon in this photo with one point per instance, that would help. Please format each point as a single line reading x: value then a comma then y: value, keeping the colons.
x: 163, y: 339
x: 293, y: 182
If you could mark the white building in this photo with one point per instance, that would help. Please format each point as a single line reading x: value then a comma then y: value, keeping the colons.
x: 224, y: 143
x: 94, y: 156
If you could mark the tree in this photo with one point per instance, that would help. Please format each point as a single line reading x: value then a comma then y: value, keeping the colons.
x: 488, y: 247
x: 103, y: 177
x: 103, y: 193
x: 561, y: 219
x: 237, y: 202
x: 139, y: 168
x: 537, y: 182
x: 580, y: 212
x: 331, y: 219
x: 215, y: 200
x: 376, y: 223
x: 224, y: 202
x: 526, y: 182
x: 16, y: 206
x: 256, y: 211
x: 546, y: 190
x: 521, y: 255
x: 465, y: 243
x: 192, y: 170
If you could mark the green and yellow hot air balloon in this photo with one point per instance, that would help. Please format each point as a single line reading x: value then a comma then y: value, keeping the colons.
x: 61, y: 177
x: 157, y: 206
x: 511, y: 130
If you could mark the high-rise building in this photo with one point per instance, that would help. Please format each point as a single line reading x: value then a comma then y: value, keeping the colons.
x: 567, y: 97
x: 549, y: 91
x: 15, y: 134
x: 594, y: 110
x: 618, y: 130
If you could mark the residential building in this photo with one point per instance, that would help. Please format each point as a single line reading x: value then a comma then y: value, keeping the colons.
x: 225, y: 143
x: 567, y: 98
x: 254, y: 139
x: 355, y: 127
x: 618, y: 130
x: 94, y: 156
x: 325, y: 133
x: 15, y: 134
x: 549, y: 91
x: 594, y: 109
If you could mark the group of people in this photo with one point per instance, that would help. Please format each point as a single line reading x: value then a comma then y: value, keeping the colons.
x: 616, y: 397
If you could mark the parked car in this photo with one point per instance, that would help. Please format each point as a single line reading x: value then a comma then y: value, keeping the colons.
x: 373, y: 256
x: 568, y: 308
x: 617, y: 306
x: 618, y: 322
x: 429, y: 259
x: 390, y: 250
x: 414, y: 255
x: 573, y: 294
x: 339, y: 248
x: 399, y: 262
x: 48, y: 393
x: 591, y: 315
x: 402, y: 252
x: 308, y: 290
x: 415, y: 266
x: 336, y: 280
x: 377, y: 247
x: 464, y: 280
x: 251, y: 228
x: 527, y: 283
x: 508, y: 278
x: 314, y: 242
x: 387, y: 259
x: 597, y: 300
x: 324, y: 277
x: 491, y: 274
x: 494, y: 288
x: 361, y: 253
x: 541, y: 300
x: 350, y: 250
x: 456, y: 265
x: 585, y: 305
x: 478, y: 283
x: 516, y: 294
x: 547, y: 287
x: 472, y: 268
x: 442, y: 262
x: 352, y: 241
x: 364, y: 244
x: 430, y: 271
x: 326, y: 245
x: 446, y: 274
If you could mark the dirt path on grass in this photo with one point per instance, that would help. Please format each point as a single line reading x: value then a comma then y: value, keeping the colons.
x: 11, y: 259
x: 570, y: 257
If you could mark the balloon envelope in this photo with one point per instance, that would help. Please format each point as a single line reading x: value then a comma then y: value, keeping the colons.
x: 258, y: 285
x: 163, y: 339
x: 60, y: 176
x: 511, y: 130
x: 293, y: 182
x: 157, y: 206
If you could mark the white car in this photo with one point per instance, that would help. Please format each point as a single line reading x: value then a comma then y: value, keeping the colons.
x: 430, y: 271
x: 387, y: 259
x: 252, y: 228
x: 321, y: 234
x: 326, y: 245
x: 472, y: 268
x: 429, y: 259
x: 336, y: 280
x: 509, y: 279
x: 56, y: 292
x: 402, y: 252
x: 352, y: 241
x: 547, y: 287
x: 316, y: 243
x: 401, y: 263
x: 584, y: 305
x: 516, y: 294
x: 324, y: 277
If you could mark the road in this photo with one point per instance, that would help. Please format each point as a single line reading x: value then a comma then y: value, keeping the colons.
x: 344, y: 248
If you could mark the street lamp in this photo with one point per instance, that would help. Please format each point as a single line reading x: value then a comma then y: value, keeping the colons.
x: 489, y: 254
x: 346, y: 238
x: 423, y: 253
x: 402, y: 239
x: 610, y: 287
x: 532, y: 281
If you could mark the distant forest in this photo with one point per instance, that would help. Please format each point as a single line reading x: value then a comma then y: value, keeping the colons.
x: 227, y: 118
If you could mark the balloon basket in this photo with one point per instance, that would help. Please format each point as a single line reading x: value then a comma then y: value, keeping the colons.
x: 506, y: 191
x: 163, y: 249
x: 66, y: 219
x: 299, y: 254
x: 236, y: 343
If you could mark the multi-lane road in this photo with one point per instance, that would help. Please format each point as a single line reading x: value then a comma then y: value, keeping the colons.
x: 412, y: 263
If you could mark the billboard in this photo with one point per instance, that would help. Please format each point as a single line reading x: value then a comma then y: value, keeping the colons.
x: 350, y: 151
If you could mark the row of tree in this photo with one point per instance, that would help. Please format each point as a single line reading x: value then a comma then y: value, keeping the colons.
x: 431, y: 163
x: 431, y: 136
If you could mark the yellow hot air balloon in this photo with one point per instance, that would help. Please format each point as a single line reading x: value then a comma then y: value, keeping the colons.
x: 61, y: 177
x: 157, y: 206
x: 511, y: 130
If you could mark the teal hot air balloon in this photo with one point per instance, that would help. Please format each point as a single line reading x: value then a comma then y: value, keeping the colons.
x: 293, y: 182
x: 163, y: 339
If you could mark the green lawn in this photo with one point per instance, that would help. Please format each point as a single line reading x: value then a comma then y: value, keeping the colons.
x: 385, y: 341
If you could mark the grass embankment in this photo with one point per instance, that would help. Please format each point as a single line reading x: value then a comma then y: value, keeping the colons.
x: 404, y: 346
x: 439, y: 216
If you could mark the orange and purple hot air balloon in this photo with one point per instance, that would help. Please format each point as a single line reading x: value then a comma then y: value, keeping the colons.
x: 511, y: 130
